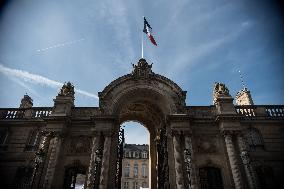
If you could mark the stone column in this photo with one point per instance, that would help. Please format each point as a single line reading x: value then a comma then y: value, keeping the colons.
x: 44, y: 144
x: 91, y: 170
x: 178, y: 160
x: 250, y: 173
x: 39, y: 166
x: 188, y: 157
x: 105, y: 162
x: 233, y: 159
x: 55, y: 145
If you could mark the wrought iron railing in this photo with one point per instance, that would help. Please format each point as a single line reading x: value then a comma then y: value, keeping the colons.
x: 16, y: 113
x: 261, y: 110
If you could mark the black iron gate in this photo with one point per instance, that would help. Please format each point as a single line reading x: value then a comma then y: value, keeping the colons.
x: 120, y: 147
x: 162, y: 163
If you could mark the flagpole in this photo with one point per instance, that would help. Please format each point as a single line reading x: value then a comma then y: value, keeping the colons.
x: 142, y: 49
x: 142, y: 44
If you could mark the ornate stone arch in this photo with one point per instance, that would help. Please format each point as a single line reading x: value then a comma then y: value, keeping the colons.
x: 148, y: 98
x: 143, y: 84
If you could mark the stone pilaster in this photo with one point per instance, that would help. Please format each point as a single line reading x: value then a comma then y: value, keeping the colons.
x: 91, y: 170
x: 105, y: 162
x: 178, y: 160
x: 46, y: 137
x: 55, y: 145
x: 233, y: 159
x: 188, y: 159
x: 250, y: 173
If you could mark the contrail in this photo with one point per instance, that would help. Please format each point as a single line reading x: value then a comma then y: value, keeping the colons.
x: 38, y: 79
x: 61, y: 45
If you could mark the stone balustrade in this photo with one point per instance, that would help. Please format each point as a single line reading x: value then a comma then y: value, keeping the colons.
x: 16, y: 113
x: 261, y: 110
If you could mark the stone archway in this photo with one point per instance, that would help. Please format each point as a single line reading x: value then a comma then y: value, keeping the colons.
x: 148, y: 98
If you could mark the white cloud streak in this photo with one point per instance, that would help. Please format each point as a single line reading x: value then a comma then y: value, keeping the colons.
x: 60, y: 45
x: 38, y: 79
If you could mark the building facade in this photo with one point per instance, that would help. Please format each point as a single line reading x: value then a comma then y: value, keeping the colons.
x: 135, y: 167
x: 222, y: 145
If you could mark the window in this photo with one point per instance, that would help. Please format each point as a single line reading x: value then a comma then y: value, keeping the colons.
x: 144, y: 170
x: 4, y: 137
x: 125, y: 185
x: 33, y: 140
x: 254, y: 138
x: 135, y: 170
x: 144, y: 155
x: 127, y: 170
x: 136, y: 185
x: 144, y: 185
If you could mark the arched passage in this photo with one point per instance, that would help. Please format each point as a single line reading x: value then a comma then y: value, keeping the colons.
x: 147, y: 98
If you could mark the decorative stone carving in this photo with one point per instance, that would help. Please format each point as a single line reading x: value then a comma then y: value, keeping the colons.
x: 26, y: 102
x: 142, y: 70
x: 178, y: 159
x: 67, y: 90
x: 55, y: 146
x: 220, y: 90
x: 207, y: 144
x: 233, y: 159
x: 79, y: 145
x: 249, y: 170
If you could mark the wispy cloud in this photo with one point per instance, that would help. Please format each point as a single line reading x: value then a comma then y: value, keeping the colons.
x: 188, y: 59
x: 38, y: 79
x: 116, y: 16
x: 60, y: 45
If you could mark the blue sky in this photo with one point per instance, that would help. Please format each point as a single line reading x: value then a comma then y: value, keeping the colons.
x: 91, y: 43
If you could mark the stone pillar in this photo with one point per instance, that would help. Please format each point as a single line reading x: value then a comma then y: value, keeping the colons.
x: 44, y: 144
x: 250, y: 173
x: 105, y: 162
x: 91, y: 170
x: 178, y: 160
x: 188, y: 157
x: 39, y: 166
x: 233, y: 159
x: 55, y: 145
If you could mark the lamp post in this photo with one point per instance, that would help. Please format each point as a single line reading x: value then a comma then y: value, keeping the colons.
x: 39, y: 155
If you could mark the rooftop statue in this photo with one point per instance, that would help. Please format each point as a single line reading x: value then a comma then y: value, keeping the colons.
x: 67, y: 90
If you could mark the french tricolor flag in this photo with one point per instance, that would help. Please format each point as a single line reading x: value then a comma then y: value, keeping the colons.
x: 148, y: 30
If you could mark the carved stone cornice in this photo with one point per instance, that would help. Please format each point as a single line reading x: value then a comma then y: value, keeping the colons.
x: 178, y: 117
x: 187, y: 133
x: 226, y: 133
x: 175, y: 132
x: 231, y: 132
x: 232, y: 117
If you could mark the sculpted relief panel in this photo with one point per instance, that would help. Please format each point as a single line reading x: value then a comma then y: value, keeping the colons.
x: 79, y: 145
x: 207, y: 144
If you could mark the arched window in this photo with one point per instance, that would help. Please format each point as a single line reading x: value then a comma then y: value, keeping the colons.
x: 210, y: 178
x: 254, y: 138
